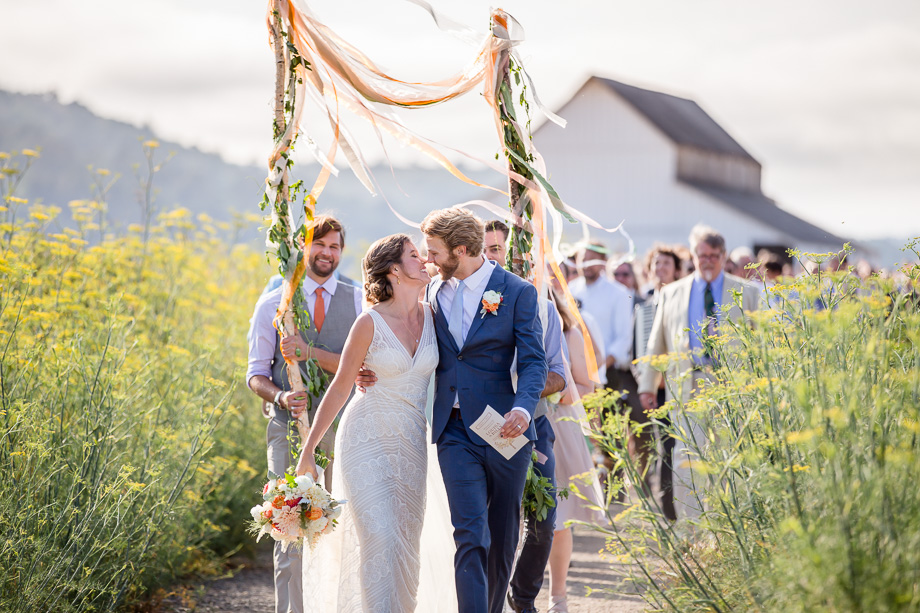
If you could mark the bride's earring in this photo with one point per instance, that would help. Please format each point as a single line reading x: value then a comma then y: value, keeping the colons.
x: 396, y: 272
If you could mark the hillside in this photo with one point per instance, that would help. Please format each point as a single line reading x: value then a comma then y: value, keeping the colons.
x: 71, y: 138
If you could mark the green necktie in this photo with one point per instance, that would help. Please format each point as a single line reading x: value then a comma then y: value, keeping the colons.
x: 710, y: 303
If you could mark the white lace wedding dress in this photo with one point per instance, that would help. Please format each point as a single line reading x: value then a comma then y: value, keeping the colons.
x: 378, y: 557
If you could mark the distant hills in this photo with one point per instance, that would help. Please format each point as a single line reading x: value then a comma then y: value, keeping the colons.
x: 71, y: 138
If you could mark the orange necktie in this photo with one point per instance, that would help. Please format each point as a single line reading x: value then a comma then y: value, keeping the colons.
x: 319, y: 310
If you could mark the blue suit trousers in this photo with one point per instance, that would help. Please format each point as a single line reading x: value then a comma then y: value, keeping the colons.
x: 484, y: 492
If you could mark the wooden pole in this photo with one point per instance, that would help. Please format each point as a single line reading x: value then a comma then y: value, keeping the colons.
x: 513, y: 141
x: 285, y: 321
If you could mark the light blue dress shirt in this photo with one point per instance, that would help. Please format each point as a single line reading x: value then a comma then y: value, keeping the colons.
x: 697, y: 313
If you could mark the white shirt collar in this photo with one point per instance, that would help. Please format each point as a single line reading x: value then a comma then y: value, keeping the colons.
x: 309, y: 285
x: 478, y: 279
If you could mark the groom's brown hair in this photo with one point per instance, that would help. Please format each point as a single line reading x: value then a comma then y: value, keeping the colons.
x: 456, y: 227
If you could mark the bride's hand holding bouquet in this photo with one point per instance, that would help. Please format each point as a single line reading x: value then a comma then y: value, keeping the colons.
x: 307, y: 464
x: 296, y: 509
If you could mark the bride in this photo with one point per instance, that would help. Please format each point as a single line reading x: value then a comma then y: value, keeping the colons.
x: 373, y: 560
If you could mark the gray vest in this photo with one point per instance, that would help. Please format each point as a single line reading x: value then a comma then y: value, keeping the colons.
x: 339, y: 319
x: 541, y: 409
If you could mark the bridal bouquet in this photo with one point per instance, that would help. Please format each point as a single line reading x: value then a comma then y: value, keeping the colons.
x: 295, y: 510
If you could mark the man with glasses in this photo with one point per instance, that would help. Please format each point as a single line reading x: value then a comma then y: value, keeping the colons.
x: 688, y: 315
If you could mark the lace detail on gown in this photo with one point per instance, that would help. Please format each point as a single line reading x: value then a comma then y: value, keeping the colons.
x: 371, y: 562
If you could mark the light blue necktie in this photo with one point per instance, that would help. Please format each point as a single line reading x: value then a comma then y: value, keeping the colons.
x: 455, y: 325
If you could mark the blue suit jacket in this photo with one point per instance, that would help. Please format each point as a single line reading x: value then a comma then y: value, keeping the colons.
x: 480, y: 371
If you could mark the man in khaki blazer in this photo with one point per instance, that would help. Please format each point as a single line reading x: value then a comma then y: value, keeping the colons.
x: 689, y: 310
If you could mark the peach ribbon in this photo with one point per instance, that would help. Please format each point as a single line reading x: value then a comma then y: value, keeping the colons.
x: 341, y: 77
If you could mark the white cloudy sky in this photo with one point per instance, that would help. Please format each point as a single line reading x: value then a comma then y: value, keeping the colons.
x: 825, y: 93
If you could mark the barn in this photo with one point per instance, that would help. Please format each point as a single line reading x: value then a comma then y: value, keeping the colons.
x: 662, y: 164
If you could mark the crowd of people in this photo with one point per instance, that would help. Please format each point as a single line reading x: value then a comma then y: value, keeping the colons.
x: 672, y: 301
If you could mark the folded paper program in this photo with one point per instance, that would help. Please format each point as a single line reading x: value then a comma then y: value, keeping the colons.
x: 489, y: 426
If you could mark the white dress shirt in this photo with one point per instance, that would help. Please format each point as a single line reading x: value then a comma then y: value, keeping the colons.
x: 474, y: 286
x: 611, y: 305
x: 309, y: 286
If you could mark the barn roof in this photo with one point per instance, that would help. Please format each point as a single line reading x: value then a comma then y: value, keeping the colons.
x: 765, y: 210
x: 681, y: 120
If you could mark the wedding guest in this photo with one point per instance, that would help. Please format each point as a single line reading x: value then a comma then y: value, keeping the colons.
x: 689, y: 312
x: 333, y: 307
x: 569, y: 268
x: 662, y: 265
x: 741, y: 257
x: 533, y: 554
x: 730, y: 267
x: 625, y: 274
x: 768, y: 274
x: 574, y: 465
x: 864, y: 270
x: 687, y: 267
x: 771, y: 266
x: 611, y: 304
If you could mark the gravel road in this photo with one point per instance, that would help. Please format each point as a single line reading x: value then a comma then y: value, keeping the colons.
x: 249, y: 590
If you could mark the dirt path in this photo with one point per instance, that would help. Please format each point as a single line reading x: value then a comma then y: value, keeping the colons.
x: 250, y: 589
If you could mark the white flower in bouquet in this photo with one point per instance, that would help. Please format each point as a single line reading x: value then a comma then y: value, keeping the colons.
x: 304, y: 483
x: 316, y: 496
x: 256, y: 513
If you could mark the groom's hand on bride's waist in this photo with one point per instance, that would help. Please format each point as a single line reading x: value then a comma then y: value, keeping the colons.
x: 365, y: 379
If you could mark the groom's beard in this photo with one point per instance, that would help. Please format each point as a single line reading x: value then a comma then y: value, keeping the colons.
x: 449, y: 267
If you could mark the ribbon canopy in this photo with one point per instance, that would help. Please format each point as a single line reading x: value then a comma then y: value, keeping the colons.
x: 334, y: 75
x: 340, y: 76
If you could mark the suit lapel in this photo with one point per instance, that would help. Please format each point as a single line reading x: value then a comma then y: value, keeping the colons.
x: 727, y: 298
x: 496, y: 283
x: 431, y: 294
x: 440, y: 323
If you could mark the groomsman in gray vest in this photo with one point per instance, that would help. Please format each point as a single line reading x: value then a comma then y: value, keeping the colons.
x: 333, y: 308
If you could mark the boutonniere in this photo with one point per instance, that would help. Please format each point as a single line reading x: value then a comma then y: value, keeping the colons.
x: 491, y: 300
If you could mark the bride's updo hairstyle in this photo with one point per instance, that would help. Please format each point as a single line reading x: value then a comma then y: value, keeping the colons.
x: 379, y: 260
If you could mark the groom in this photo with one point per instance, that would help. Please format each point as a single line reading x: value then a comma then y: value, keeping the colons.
x: 477, y: 348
